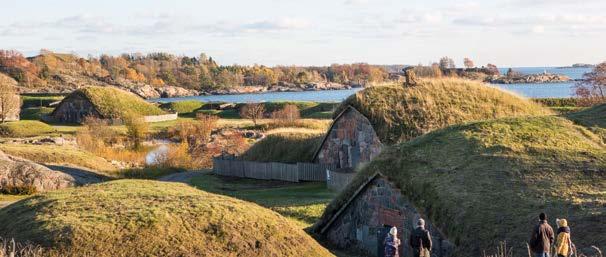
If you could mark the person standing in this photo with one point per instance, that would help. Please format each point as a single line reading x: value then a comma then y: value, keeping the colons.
x: 392, y: 243
x: 542, y: 237
x: 563, y: 245
x: 420, y: 240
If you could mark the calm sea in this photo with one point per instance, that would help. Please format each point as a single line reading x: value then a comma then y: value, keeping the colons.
x: 528, y: 90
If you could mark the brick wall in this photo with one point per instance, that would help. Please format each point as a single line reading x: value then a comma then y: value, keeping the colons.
x: 379, y: 206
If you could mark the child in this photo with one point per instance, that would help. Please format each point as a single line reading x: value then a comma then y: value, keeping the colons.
x: 563, y: 243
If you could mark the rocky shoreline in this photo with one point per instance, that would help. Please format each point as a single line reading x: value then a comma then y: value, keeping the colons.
x: 529, y: 79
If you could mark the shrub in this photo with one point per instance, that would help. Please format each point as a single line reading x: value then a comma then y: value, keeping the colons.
x: 289, y: 113
x: 25, y: 128
x: 253, y: 111
x: 136, y: 130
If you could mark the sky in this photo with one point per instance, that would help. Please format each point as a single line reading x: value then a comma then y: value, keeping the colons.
x: 518, y: 33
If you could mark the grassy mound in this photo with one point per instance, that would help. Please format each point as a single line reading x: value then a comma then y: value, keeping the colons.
x: 594, y: 118
x: 148, y: 218
x: 284, y: 147
x: 59, y: 155
x: 486, y: 182
x: 111, y: 102
x: 183, y: 107
x: 24, y: 128
x: 399, y: 114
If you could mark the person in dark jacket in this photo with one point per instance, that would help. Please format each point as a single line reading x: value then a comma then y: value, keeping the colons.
x: 542, y: 237
x: 420, y: 240
x: 392, y: 243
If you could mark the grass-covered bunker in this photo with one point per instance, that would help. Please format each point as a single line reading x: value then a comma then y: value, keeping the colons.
x: 386, y: 115
x: 148, y: 218
x: 102, y: 102
x: 478, y: 184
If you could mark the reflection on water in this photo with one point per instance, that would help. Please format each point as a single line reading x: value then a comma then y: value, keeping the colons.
x: 152, y: 156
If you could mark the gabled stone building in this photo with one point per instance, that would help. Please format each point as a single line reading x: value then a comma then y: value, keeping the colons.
x: 364, y: 219
x: 350, y: 141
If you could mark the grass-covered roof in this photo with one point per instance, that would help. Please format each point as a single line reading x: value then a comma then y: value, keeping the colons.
x: 284, y: 147
x: 487, y: 181
x: 399, y: 114
x: 149, y: 218
x: 112, y: 102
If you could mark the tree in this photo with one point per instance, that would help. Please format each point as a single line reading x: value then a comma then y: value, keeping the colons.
x: 289, y: 113
x: 447, y: 63
x: 592, y: 89
x: 468, y: 63
x: 492, y: 69
x: 253, y: 111
x: 136, y: 129
x: 9, y: 99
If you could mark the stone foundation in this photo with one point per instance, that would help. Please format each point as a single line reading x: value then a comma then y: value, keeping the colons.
x: 365, y: 222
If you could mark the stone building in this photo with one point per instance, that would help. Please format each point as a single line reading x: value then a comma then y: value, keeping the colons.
x: 350, y: 141
x: 74, y: 109
x: 364, y: 219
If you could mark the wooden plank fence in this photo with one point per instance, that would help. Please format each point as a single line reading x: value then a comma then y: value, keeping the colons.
x: 337, y: 181
x: 271, y: 170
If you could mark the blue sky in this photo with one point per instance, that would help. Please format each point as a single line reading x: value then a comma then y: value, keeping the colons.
x: 314, y: 32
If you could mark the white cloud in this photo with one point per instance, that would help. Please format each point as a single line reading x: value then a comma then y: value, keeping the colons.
x: 356, y: 2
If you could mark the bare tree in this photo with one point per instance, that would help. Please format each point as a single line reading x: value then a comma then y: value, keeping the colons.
x: 447, y: 63
x: 10, y: 103
x: 468, y: 63
x: 592, y: 89
x: 253, y: 111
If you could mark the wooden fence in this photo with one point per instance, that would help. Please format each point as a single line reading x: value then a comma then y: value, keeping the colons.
x: 271, y: 170
x: 337, y: 181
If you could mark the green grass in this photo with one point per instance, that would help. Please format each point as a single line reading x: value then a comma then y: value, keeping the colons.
x: 559, y: 102
x: 224, y: 114
x: 24, y: 128
x: 399, y: 114
x: 58, y: 155
x: 35, y: 113
x: 148, y: 172
x: 591, y: 117
x: 486, y: 182
x: 149, y: 218
x: 301, y: 202
x: 182, y: 107
x: 284, y: 147
x: 111, y: 102
x: 39, y: 100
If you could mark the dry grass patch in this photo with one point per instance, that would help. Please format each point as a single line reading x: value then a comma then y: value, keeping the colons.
x: 58, y: 155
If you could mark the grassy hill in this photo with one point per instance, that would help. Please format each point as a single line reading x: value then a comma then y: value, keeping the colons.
x: 284, y: 147
x: 594, y: 118
x: 111, y: 102
x: 486, y: 182
x: 147, y: 218
x: 24, y: 128
x: 399, y: 113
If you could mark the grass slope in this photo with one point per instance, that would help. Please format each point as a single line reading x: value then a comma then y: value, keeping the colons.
x: 594, y: 118
x: 111, y: 102
x: 58, y: 155
x: 399, y: 114
x: 183, y: 107
x: 148, y: 218
x: 284, y: 147
x: 486, y: 182
x: 24, y: 128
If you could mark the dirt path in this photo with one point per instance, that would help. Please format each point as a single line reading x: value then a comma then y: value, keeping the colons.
x: 183, y: 177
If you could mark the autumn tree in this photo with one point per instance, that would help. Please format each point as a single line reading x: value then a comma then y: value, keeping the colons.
x: 289, y: 113
x: 9, y: 99
x: 468, y: 63
x: 136, y: 129
x: 447, y: 63
x: 253, y: 111
x: 592, y: 89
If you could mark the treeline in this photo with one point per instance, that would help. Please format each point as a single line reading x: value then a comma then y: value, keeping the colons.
x: 157, y: 69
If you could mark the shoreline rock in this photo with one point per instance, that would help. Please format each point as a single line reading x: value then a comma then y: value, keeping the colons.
x: 529, y: 79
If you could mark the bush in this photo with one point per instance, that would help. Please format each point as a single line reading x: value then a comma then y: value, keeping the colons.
x: 25, y: 128
x: 136, y: 130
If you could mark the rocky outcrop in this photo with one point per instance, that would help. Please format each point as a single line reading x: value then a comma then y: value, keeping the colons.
x: 529, y: 79
x: 146, y: 91
x: 21, y: 174
x: 171, y: 91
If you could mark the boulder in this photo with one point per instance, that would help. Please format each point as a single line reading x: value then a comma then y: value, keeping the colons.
x: 171, y: 91
x: 23, y: 174
x: 146, y: 91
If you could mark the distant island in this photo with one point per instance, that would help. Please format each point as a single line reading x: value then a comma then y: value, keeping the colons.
x: 578, y: 65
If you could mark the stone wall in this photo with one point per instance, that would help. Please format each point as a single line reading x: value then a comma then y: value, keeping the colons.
x: 160, y: 118
x: 378, y: 207
x: 350, y: 142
